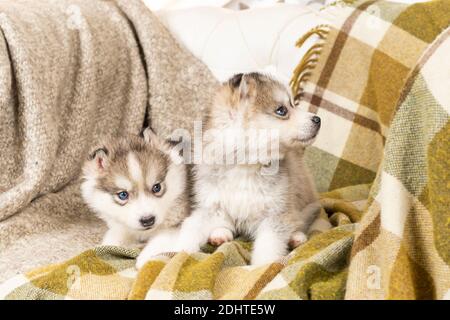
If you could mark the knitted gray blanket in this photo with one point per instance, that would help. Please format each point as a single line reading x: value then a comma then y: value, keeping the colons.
x: 72, y: 72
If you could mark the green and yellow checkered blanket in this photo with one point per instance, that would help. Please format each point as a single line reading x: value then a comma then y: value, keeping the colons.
x: 382, y: 162
x: 381, y: 86
x: 316, y: 270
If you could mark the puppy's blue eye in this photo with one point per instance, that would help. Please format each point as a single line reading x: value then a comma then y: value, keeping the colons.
x: 282, y: 111
x: 156, y: 188
x: 122, y: 195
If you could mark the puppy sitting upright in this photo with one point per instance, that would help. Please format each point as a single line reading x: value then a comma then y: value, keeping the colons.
x: 270, y: 197
x: 137, y: 185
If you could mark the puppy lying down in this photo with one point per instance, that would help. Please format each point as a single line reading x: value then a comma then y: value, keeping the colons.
x: 252, y: 180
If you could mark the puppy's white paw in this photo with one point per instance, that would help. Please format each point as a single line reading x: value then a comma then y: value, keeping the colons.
x: 150, y: 251
x: 219, y: 236
x: 297, y: 238
x: 141, y: 260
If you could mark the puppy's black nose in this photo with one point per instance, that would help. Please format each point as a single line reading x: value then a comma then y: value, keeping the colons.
x: 316, y: 120
x: 147, y: 221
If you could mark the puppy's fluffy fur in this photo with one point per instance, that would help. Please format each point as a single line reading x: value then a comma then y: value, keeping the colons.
x: 273, y: 209
x: 138, y: 186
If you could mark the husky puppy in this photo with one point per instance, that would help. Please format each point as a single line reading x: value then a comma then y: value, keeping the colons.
x: 138, y: 186
x: 273, y: 207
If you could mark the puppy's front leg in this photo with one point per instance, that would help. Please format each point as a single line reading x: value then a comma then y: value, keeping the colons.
x: 161, y: 242
x: 221, y: 227
x: 306, y: 217
x: 270, y: 244
x: 204, y: 224
x: 192, y: 233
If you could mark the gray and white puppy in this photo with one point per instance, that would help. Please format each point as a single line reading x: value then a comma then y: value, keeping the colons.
x: 275, y: 208
x: 138, y: 186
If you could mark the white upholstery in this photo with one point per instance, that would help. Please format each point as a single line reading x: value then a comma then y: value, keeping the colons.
x: 230, y: 42
x: 260, y: 38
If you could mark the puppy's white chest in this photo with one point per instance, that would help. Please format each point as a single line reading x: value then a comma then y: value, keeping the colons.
x: 242, y: 193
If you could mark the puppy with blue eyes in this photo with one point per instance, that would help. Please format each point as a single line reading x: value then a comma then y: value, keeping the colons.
x: 268, y: 195
x: 138, y: 186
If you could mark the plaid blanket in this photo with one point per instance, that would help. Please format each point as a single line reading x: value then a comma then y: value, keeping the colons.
x: 316, y: 270
x: 380, y: 85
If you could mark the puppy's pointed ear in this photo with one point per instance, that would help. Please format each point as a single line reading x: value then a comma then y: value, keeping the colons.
x: 149, y: 135
x: 100, y: 157
x: 154, y: 140
x: 235, y: 81
x: 176, y: 149
x: 245, y: 84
